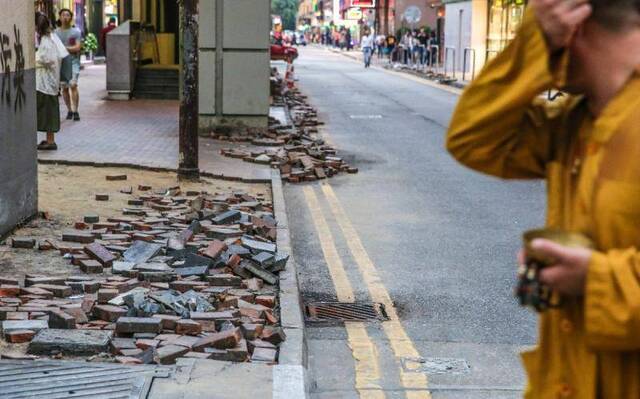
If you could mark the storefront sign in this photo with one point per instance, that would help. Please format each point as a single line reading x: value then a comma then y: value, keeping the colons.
x: 353, y: 14
x: 363, y: 3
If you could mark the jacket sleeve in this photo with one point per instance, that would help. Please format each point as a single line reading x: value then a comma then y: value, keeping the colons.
x: 612, y: 301
x: 501, y: 125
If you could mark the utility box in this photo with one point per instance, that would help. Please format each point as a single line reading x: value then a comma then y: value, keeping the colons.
x: 18, y: 139
x: 234, y: 63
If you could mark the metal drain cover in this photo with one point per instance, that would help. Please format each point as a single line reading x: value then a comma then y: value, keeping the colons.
x: 345, y: 311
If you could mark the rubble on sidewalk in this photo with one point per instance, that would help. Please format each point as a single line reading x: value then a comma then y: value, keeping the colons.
x: 294, y: 149
x: 192, y: 275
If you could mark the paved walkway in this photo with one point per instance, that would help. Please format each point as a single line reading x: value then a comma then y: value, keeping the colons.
x: 140, y: 132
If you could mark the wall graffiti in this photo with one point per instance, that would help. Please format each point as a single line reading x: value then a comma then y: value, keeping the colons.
x: 12, y: 95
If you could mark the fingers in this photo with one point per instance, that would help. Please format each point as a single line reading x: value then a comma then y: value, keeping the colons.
x: 550, y: 248
x: 577, y: 15
x: 551, y: 276
x: 521, y: 257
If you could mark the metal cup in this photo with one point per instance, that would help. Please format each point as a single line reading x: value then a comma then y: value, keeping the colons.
x: 530, y: 291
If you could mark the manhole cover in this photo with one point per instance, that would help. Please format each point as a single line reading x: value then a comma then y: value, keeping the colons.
x: 343, y: 311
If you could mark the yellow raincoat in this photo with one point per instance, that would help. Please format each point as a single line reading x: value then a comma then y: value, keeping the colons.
x: 589, y: 348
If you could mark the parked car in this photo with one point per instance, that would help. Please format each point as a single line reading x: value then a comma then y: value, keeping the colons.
x: 282, y: 51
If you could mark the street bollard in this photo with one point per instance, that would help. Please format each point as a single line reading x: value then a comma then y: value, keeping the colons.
x: 469, y: 50
x: 447, y: 51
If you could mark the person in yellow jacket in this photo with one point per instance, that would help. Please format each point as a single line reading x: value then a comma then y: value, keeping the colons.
x: 587, y: 146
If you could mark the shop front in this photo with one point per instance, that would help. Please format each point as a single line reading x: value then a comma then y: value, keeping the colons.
x: 505, y: 16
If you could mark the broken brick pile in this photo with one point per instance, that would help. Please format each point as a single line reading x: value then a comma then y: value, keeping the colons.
x: 175, y: 276
x: 296, y: 150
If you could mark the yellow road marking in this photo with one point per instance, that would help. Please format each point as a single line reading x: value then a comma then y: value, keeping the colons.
x: 363, y: 349
x: 334, y: 262
x: 400, y: 342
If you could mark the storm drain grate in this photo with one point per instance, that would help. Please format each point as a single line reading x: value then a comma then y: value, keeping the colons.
x: 62, y: 380
x: 345, y: 311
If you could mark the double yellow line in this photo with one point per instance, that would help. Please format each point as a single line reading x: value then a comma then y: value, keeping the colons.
x: 364, y: 349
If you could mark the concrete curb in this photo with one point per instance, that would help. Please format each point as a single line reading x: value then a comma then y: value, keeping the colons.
x: 149, y: 168
x: 290, y: 375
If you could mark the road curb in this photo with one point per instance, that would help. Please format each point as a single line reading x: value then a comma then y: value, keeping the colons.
x: 148, y: 168
x: 290, y: 375
x: 453, y: 88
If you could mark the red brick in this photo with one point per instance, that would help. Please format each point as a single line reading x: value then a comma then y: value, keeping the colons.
x: 188, y: 327
x: 215, y: 249
x: 106, y: 294
x: 266, y: 300
x: 168, y: 321
x: 7, y: 290
x: 108, y: 313
x: 19, y: 336
x: 222, y: 340
x: 100, y: 253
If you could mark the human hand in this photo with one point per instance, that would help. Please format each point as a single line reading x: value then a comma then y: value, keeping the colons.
x: 569, y: 274
x: 560, y: 19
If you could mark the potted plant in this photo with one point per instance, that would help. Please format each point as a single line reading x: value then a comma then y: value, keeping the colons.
x: 90, y: 45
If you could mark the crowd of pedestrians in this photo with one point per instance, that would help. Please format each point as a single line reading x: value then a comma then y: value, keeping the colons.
x: 415, y: 48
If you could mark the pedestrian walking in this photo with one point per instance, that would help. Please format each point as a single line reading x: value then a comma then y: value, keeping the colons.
x: 347, y: 39
x: 367, y: 48
x: 104, y: 32
x: 380, y: 46
x: 49, y: 54
x: 71, y: 37
x: 586, y: 145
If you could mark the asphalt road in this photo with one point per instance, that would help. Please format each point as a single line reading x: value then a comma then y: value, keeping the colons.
x: 441, y: 238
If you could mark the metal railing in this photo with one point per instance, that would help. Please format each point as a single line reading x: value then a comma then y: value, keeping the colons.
x: 434, y: 58
x: 467, y: 51
x: 447, y: 51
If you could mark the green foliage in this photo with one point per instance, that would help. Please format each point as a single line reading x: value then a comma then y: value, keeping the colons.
x: 287, y: 10
x: 90, y: 43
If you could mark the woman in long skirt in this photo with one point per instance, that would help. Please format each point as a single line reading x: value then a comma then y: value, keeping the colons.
x: 48, y: 59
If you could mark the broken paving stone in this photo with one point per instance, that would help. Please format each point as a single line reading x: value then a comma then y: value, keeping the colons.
x: 19, y: 336
x: 168, y: 354
x: 191, y: 271
x: 100, y: 254
x: 108, y: 313
x: 264, y: 259
x: 141, y: 252
x: 224, y: 280
x: 222, y: 340
x: 57, y: 290
x: 61, y: 320
x: 258, y: 246
x: 116, y: 177
x: 153, y: 267
x: 106, y: 294
x: 32, y: 280
x: 91, y: 266
x: 188, y: 327
x: 130, y: 325
x: 274, y: 335
x: 91, y: 218
x: 279, y: 263
x: 23, y: 242
x: 264, y: 355
x: 119, y: 267
x: 168, y: 321
x: 69, y: 342
x: 259, y: 272
x: 78, y: 236
x: 227, y: 217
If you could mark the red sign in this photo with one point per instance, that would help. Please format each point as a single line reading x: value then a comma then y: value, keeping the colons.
x: 363, y: 3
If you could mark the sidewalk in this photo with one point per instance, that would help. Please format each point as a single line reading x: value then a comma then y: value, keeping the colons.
x: 136, y: 132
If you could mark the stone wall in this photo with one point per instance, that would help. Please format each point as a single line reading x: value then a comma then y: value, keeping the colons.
x: 18, y: 157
